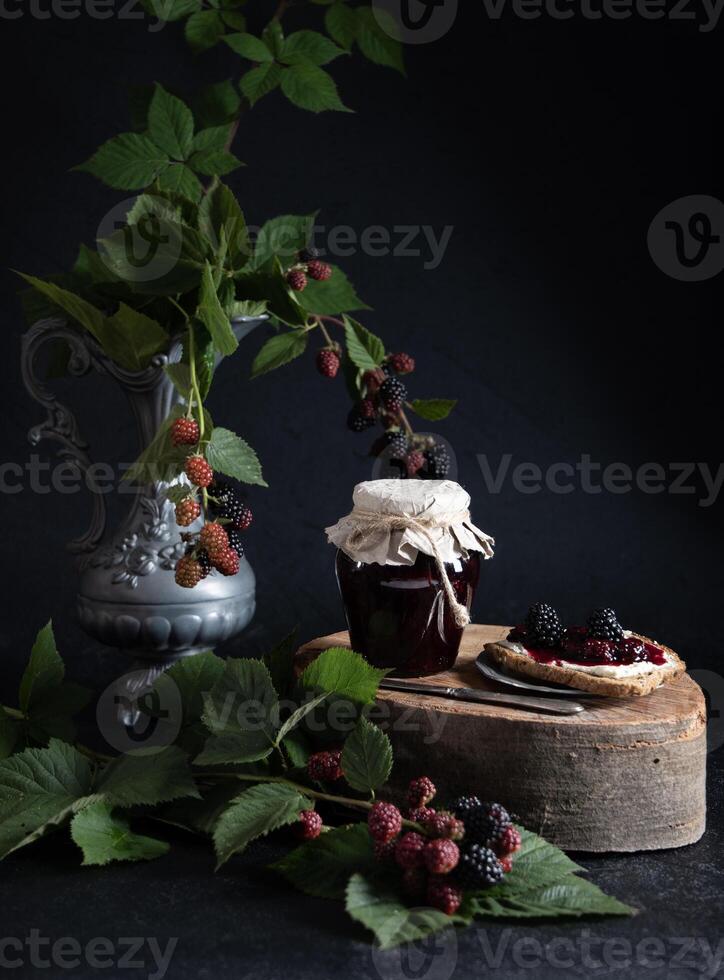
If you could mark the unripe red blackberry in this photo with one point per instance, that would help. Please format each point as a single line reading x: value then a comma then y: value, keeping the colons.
x: 296, y: 280
x: 385, y: 851
x: 367, y: 408
x: 506, y: 841
x: 420, y: 792
x: 401, y: 363
x: 309, y: 826
x: 227, y: 562
x: 318, y: 270
x: 328, y: 362
x: 414, y: 462
x: 409, y: 850
x: 325, y: 766
x: 443, y: 824
x: 421, y: 814
x: 198, y: 470
x: 441, y: 856
x: 506, y: 863
x: 371, y: 381
x: 214, y: 539
x: 384, y: 821
x: 188, y: 572
x: 187, y: 510
x: 185, y: 432
x: 443, y: 895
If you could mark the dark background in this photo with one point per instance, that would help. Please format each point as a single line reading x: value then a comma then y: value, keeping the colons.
x: 549, y: 147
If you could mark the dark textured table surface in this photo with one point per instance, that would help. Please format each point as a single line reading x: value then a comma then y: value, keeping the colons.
x: 244, y: 922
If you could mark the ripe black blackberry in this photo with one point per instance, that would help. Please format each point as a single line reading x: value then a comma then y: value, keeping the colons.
x: 463, y: 805
x: 437, y: 463
x: 478, y: 867
x: 205, y: 563
x: 543, y: 625
x: 357, y: 422
x: 603, y: 625
x: 397, y: 443
x: 393, y: 394
x: 235, y: 541
x: 485, y: 823
x: 307, y: 254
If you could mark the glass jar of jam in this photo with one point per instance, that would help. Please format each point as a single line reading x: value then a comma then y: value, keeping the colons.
x: 408, y: 564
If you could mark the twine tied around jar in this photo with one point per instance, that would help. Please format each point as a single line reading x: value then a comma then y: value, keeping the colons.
x: 370, y: 521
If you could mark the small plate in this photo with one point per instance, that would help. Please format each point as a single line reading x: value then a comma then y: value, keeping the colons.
x: 502, y: 675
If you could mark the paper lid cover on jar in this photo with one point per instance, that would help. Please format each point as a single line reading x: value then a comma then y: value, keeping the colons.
x: 392, y: 521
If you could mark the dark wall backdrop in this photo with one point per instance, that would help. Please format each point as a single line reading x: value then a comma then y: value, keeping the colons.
x: 549, y: 147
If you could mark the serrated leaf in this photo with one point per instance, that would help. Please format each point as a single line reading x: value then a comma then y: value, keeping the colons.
x: 195, y: 678
x: 255, y: 813
x: 38, y: 790
x: 341, y: 23
x: 269, y: 284
x: 249, y: 47
x: 216, y: 104
x: 365, y: 350
x: 219, y: 210
x: 280, y: 663
x: 229, y: 454
x: 333, y: 296
x: 273, y: 37
x: 211, y: 313
x: 147, y: 779
x: 242, y: 714
x: 278, y: 350
x: 132, y: 338
x: 381, y: 910
x: 170, y: 124
x: 283, y: 236
x: 75, y: 306
x: 45, y: 670
x: 177, y: 177
x: 433, y: 409
x: 233, y: 19
x: 213, y: 163
x: 309, y: 47
x: 104, y: 836
x: 323, y: 867
x: 311, y: 88
x: 248, y: 308
x: 344, y: 672
x: 298, y: 748
x: 367, y: 757
x: 9, y: 731
x: 571, y: 897
x: 298, y: 716
x: 129, y: 162
x: 173, y: 259
x: 379, y: 45
x: 203, y: 30
x: 259, y: 81
x: 212, y: 138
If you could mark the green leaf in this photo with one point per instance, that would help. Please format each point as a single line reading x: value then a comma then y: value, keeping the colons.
x: 90, y: 268
x: 229, y: 454
x: 433, y: 409
x: 195, y: 677
x: 39, y: 788
x: 298, y: 748
x: 270, y: 285
x: 161, y: 460
x: 212, y: 314
x: 242, y: 714
x: 367, y: 757
x: 334, y: 295
x: 273, y: 37
x: 342, y: 671
x: 147, y: 779
x: 279, y: 350
x: 170, y: 124
x: 219, y: 211
x: 256, y: 813
x: 213, y: 163
x: 571, y: 897
x: 233, y: 19
x: 309, y: 47
x: 217, y: 104
x: 203, y: 30
x: 9, y: 731
x: 178, y: 178
x: 280, y: 663
x: 45, y: 670
x: 200, y: 816
x: 248, y: 307
x: 180, y: 376
x: 104, y: 837
x: 312, y: 88
x: 378, y: 45
x: 380, y: 910
x: 365, y: 350
x: 212, y: 138
x: 341, y: 23
x: 249, y: 47
x: 322, y: 867
x: 298, y: 716
x: 83, y: 312
x: 132, y: 338
x: 172, y: 10
x: 259, y: 81
x: 173, y: 260
x: 284, y: 237
x: 126, y: 162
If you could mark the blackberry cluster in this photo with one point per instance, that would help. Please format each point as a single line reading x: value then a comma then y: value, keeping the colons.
x: 397, y: 443
x: 486, y: 822
x: 437, y: 463
x: 543, y: 625
x: 478, y: 867
x: 357, y: 422
x: 603, y: 625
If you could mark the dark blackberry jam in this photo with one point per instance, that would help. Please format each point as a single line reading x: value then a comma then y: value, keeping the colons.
x: 398, y: 615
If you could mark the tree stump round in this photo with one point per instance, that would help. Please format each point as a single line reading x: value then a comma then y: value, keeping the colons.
x: 627, y: 774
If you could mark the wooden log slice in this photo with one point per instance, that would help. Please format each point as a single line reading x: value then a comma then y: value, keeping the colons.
x: 628, y: 774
